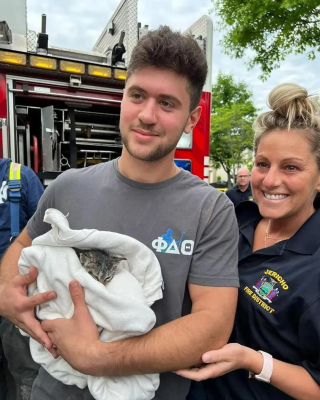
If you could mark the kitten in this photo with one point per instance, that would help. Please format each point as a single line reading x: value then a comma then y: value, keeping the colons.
x: 101, y: 265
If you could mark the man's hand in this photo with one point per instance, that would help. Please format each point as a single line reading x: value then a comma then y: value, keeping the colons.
x: 75, y: 339
x: 232, y: 356
x: 19, y: 308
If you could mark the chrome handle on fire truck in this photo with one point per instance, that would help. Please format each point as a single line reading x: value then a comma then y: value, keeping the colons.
x: 64, y: 162
x: 68, y: 96
x: 4, y: 129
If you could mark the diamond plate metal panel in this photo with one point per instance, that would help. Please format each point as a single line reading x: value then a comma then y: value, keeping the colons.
x: 32, y: 41
x: 204, y: 28
x: 125, y: 18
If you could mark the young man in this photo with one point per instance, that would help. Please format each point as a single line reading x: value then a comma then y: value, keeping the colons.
x: 242, y: 191
x: 143, y: 195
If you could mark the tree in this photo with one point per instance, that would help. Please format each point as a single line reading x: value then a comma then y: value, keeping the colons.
x: 231, y: 123
x: 271, y: 29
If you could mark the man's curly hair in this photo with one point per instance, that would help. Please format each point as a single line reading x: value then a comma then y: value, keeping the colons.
x: 163, y: 48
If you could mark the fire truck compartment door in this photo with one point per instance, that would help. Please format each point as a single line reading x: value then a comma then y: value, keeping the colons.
x: 49, y: 141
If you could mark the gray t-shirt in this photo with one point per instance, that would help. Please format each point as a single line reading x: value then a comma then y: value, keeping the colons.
x: 190, y: 226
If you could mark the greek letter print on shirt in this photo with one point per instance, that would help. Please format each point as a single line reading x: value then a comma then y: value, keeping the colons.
x: 166, y: 243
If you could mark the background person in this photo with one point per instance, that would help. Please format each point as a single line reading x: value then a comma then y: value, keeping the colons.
x: 279, y: 248
x: 143, y: 195
x: 242, y: 191
x: 31, y: 191
x: 13, y: 345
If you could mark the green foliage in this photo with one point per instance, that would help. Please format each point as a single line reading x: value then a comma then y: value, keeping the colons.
x: 271, y: 29
x: 226, y: 92
x: 232, y: 116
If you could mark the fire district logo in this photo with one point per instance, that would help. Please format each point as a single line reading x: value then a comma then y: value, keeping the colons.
x: 266, y: 288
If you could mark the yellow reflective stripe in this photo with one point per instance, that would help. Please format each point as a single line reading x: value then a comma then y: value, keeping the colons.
x: 14, y: 171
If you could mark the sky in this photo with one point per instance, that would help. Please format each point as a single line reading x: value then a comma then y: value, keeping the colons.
x: 78, y: 24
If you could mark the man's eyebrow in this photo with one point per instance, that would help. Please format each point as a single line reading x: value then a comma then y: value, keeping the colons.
x: 161, y: 96
x: 136, y: 87
x: 170, y: 97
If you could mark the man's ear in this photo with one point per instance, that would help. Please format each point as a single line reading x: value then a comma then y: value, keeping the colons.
x: 318, y: 185
x: 193, y: 119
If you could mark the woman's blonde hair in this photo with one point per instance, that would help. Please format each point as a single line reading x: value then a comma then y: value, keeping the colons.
x: 292, y: 108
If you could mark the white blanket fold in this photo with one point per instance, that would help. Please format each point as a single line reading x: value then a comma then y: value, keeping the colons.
x: 121, y: 309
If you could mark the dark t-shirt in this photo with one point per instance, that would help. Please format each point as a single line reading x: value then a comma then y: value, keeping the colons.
x: 31, y: 192
x: 278, y: 308
x: 237, y: 196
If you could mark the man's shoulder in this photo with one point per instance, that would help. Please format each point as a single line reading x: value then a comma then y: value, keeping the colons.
x: 4, y: 169
x: 4, y: 161
x: 232, y: 190
x: 207, y: 197
x: 246, y: 212
x: 199, y: 186
x: 27, y: 172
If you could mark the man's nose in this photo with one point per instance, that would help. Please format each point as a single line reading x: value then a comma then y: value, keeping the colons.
x: 148, y: 114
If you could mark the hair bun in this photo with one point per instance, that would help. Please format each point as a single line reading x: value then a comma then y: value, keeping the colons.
x: 291, y: 101
x: 292, y: 108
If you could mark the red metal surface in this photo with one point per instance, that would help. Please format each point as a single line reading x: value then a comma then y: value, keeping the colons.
x: 3, y: 105
x: 201, y: 139
x: 35, y: 150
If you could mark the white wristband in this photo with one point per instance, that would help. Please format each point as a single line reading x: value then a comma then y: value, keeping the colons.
x: 265, y: 374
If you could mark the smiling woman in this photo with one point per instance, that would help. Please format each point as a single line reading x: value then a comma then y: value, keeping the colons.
x: 285, y: 177
x: 276, y: 331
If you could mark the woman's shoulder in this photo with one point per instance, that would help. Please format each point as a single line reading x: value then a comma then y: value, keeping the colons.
x: 247, y: 212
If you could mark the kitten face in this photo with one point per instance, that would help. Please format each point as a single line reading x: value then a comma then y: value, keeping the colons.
x: 99, y: 264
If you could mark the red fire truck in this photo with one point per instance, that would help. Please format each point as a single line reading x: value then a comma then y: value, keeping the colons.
x: 60, y: 108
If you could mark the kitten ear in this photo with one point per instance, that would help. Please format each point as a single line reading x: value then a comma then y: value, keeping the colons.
x: 83, y: 257
x: 87, y: 254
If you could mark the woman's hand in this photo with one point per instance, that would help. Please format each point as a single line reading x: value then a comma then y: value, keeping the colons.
x: 230, y: 357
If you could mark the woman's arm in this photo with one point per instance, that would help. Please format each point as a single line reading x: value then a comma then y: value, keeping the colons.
x: 291, y: 379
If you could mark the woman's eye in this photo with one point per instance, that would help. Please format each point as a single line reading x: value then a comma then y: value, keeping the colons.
x: 291, y: 168
x: 261, y: 164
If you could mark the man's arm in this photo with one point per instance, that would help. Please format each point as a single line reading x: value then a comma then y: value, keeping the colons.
x: 15, y: 304
x: 178, y: 344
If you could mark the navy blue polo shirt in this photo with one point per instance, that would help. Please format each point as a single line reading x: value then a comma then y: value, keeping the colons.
x: 31, y: 192
x: 278, y: 308
x: 236, y: 196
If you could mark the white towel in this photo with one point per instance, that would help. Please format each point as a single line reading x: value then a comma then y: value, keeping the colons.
x: 121, y: 309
